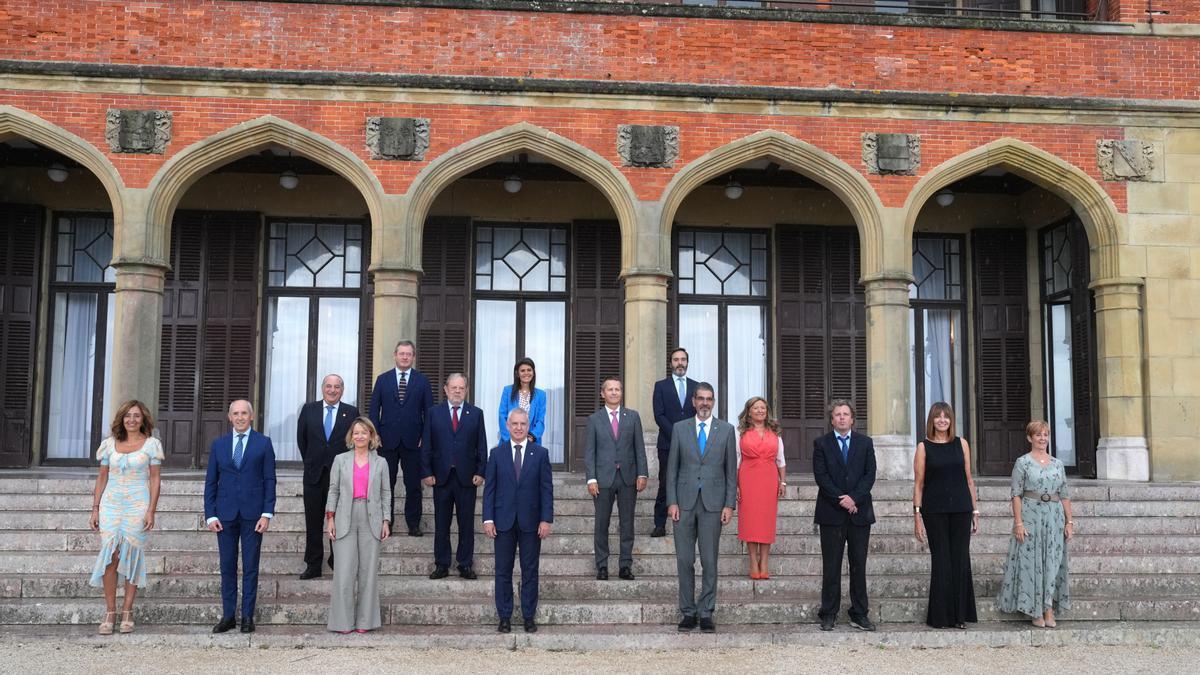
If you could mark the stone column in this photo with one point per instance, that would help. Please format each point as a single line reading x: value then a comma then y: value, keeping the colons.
x: 645, y: 348
x: 395, y: 308
x: 1122, y: 453
x: 137, y: 330
x: 890, y: 409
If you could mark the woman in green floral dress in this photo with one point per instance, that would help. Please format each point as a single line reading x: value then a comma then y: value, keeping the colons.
x: 1035, y: 573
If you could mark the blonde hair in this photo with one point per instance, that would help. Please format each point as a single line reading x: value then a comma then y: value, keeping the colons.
x: 744, y: 418
x: 364, y: 422
x: 1036, y: 426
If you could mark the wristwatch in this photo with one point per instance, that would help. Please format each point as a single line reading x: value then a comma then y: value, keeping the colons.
x: 916, y: 508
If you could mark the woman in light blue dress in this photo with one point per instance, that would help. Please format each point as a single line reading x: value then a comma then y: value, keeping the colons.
x: 123, y: 506
x: 1035, y: 572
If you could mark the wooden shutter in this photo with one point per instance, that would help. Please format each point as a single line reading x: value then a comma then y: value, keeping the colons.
x: 597, y: 312
x: 821, y: 331
x: 1083, y: 351
x: 1002, y: 357
x: 179, y: 360
x: 444, y: 299
x: 21, y: 228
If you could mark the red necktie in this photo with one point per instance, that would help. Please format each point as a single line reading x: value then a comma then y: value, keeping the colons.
x: 454, y: 420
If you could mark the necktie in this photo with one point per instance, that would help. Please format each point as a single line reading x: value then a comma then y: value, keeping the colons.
x: 845, y: 441
x: 328, y: 421
x: 454, y: 419
x: 402, y: 388
x: 614, y: 423
x: 682, y: 389
x: 703, y: 439
x: 517, y: 460
x: 238, y: 450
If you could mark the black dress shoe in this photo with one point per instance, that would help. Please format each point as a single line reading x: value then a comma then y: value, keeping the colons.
x: 225, y: 625
x: 330, y: 561
x: 415, y: 532
x: 247, y: 625
x: 530, y: 626
x: 862, y: 623
x: 626, y: 573
x: 602, y: 574
x: 827, y: 623
x: 310, y: 573
x: 505, y: 626
x: 467, y: 572
x: 439, y: 572
x: 689, y: 623
x: 658, y: 532
x: 707, y: 625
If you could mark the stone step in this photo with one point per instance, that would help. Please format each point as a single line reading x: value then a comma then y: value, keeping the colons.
x: 443, y: 612
x: 159, y: 562
x: 581, y: 544
x: 616, y: 637
x: 287, y: 587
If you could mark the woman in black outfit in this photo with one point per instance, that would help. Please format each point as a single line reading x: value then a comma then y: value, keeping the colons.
x: 945, y: 513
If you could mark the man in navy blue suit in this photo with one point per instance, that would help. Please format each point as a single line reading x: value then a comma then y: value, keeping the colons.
x: 321, y: 429
x: 672, y: 404
x: 239, y: 502
x: 398, y: 404
x: 453, y: 457
x: 844, y: 468
x: 518, y: 508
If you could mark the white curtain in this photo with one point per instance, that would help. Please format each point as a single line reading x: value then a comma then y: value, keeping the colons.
x: 1059, y: 355
x: 698, y: 335
x: 546, y: 343
x: 746, y: 357
x: 72, y: 365
x: 337, y: 345
x: 495, y: 353
x: 286, y: 372
x: 938, y: 357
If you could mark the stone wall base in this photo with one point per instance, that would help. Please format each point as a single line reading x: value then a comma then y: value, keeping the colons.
x: 1123, y: 458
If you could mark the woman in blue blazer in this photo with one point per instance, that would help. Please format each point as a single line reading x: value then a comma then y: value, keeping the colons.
x: 523, y: 394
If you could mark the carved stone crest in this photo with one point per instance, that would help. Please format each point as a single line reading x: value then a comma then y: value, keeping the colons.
x: 138, y: 131
x: 648, y: 146
x: 398, y: 137
x: 897, y: 154
x: 1125, y: 160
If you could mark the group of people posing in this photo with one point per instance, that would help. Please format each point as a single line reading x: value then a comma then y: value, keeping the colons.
x: 707, y: 468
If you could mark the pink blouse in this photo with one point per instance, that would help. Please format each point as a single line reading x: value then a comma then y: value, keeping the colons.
x: 362, y: 476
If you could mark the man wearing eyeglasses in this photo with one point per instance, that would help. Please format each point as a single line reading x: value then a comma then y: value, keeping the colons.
x: 398, y: 404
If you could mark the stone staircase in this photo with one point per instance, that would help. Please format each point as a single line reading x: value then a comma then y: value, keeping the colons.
x: 1136, y: 557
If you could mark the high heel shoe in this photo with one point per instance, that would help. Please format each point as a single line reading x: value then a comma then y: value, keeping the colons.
x: 127, y: 621
x: 106, y: 626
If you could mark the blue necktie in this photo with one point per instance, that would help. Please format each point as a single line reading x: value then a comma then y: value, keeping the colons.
x: 237, y: 451
x: 702, y: 439
x: 328, y: 421
x: 682, y: 391
x: 845, y: 441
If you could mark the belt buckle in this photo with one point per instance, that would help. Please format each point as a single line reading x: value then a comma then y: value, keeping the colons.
x: 1045, y: 496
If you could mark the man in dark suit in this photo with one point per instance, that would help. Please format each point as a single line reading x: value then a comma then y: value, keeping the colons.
x: 844, y: 468
x: 518, y: 508
x: 321, y: 434
x: 701, y: 493
x: 239, y: 502
x: 672, y: 404
x: 453, y: 457
x: 398, y: 404
x: 615, y: 458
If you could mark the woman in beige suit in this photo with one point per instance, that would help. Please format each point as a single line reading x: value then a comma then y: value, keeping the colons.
x: 356, y: 520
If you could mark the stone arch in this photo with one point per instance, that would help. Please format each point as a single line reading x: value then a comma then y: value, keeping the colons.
x: 1090, y: 202
x: 522, y: 137
x: 17, y: 122
x: 839, y: 177
x: 198, y: 159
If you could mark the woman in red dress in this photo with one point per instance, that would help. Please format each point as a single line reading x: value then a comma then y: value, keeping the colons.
x: 761, y: 481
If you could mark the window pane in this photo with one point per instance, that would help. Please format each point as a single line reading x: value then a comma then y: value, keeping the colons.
x: 746, y: 358
x: 546, y: 343
x: 495, y: 354
x: 285, y: 372
x: 706, y: 283
x: 72, y: 364
x: 1059, y: 384
x: 85, y: 249
x: 337, y: 344
x: 698, y: 334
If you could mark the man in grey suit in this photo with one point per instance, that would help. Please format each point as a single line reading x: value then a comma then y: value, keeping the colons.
x: 615, y: 457
x: 701, y: 492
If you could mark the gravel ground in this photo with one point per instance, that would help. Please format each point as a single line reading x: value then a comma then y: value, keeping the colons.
x: 41, y: 658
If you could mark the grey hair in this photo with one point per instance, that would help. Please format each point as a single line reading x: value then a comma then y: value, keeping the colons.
x: 339, y: 377
x: 242, y: 400
x: 451, y: 376
x: 517, y: 411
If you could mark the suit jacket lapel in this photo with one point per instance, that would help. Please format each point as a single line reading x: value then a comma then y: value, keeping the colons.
x: 836, y: 447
